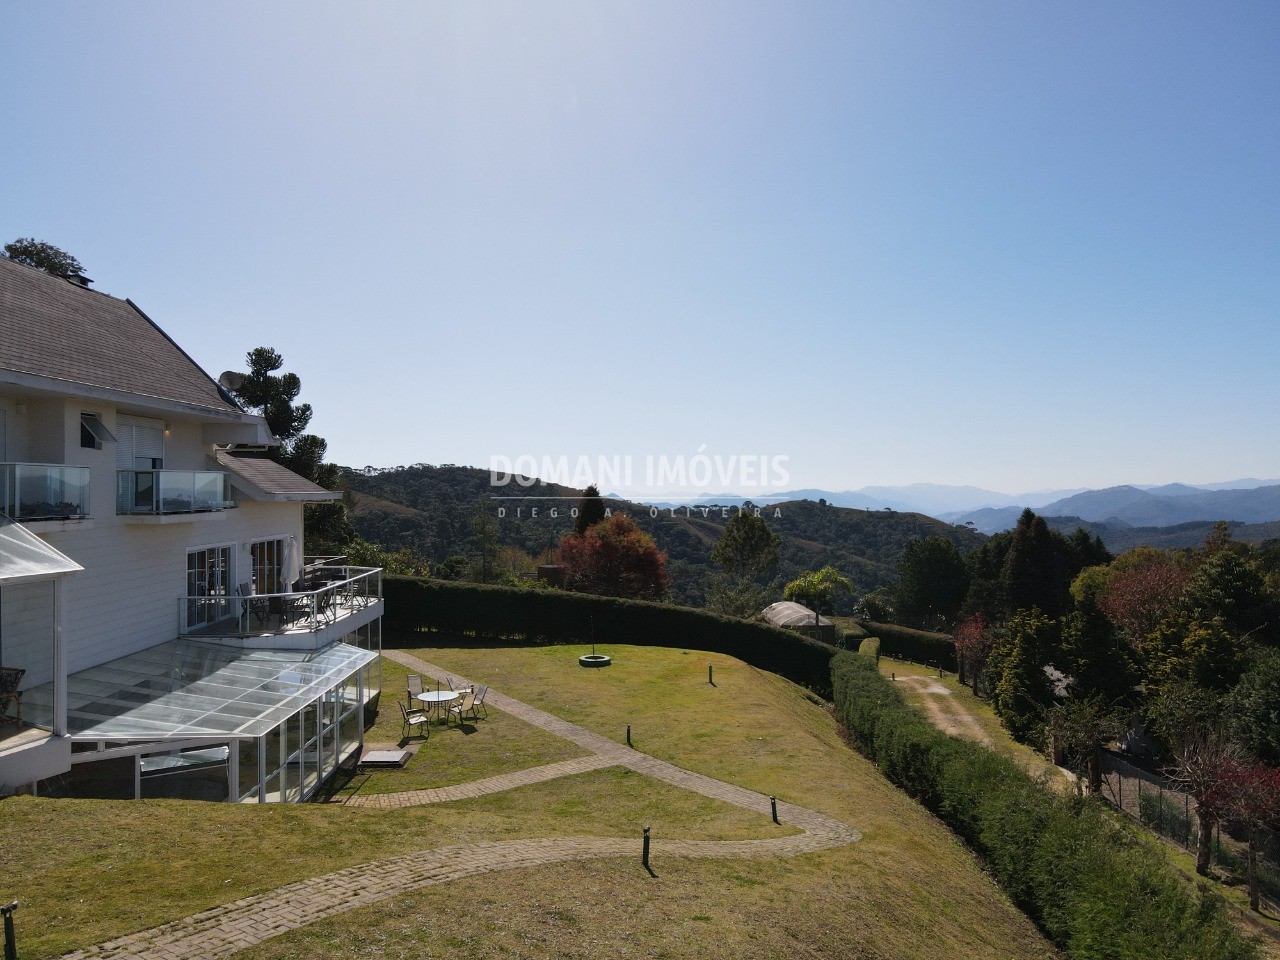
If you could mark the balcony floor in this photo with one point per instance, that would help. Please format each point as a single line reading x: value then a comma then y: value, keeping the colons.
x: 276, y: 624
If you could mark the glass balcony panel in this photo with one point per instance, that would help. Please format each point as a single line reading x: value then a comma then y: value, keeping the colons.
x: 168, y: 492
x: 26, y: 643
x: 41, y: 491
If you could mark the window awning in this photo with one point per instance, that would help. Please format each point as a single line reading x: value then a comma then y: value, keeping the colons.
x: 186, y: 689
x: 24, y: 556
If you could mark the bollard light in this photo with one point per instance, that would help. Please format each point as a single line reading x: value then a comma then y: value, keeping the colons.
x: 773, y: 802
x: 644, y: 856
x: 10, y: 941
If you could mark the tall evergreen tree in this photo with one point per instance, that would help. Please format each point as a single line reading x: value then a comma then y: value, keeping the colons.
x: 1015, y: 673
x: 932, y: 583
x: 325, y: 524
x: 591, y: 510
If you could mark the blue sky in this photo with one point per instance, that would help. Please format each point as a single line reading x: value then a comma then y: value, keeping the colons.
x: 1016, y: 245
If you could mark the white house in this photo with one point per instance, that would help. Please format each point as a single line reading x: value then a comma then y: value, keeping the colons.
x: 171, y: 638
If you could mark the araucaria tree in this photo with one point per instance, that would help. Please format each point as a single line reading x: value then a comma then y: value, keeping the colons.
x: 37, y: 253
x: 325, y: 524
x: 615, y: 558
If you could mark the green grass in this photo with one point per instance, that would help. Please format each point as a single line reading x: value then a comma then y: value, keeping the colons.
x: 981, y: 710
x: 90, y: 870
x: 454, y: 753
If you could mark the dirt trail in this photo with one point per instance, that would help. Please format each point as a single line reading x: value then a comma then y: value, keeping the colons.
x: 945, y: 710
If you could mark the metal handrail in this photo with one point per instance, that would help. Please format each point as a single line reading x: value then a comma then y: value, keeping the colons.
x: 290, y: 608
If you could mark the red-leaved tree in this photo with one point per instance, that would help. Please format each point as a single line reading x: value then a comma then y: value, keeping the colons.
x: 973, y: 646
x: 1143, y: 591
x: 1248, y: 795
x: 615, y: 558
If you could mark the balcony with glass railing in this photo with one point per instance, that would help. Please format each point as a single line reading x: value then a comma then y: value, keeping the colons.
x: 43, y: 491
x: 331, y: 596
x: 172, y: 492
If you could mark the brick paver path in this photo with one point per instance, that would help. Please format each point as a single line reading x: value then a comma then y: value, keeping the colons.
x: 223, y: 930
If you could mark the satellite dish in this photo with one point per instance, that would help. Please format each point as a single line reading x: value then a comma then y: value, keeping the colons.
x: 231, y: 380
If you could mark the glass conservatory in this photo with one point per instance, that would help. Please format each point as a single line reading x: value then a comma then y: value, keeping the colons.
x: 192, y: 719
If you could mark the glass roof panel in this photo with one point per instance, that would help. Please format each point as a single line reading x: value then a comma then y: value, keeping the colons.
x: 184, y: 689
x: 24, y: 556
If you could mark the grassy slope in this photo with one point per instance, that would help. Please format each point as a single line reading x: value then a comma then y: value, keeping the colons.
x: 1038, y: 766
x: 909, y: 889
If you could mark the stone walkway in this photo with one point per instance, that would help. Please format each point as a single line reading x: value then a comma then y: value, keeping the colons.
x: 223, y: 930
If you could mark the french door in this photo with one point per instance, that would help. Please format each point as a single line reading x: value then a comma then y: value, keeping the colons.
x: 209, y: 586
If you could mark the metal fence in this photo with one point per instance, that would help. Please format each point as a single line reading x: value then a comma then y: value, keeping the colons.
x: 1157, y: 804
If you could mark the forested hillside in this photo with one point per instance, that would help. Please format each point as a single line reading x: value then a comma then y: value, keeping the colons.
x: 433, y: 509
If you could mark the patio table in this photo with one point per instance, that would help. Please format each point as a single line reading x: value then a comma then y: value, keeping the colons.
x: 436, y: 699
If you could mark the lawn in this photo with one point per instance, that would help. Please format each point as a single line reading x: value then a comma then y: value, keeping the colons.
x: 91, y: 870
x: 455, y: 753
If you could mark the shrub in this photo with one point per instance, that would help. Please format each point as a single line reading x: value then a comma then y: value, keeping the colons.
x: 555, y: 616
x: 870, y: 647
x: 919, y: 646
x: 1095, y: 889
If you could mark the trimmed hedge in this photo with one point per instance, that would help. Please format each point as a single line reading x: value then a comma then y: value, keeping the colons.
x: 556, y: 616
x: 918, y: 646
x: 870, y: 647
x: 1096, y: 889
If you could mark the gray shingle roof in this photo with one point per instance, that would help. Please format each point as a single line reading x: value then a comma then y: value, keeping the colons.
x: 52, y: 328
x: 263, y: 479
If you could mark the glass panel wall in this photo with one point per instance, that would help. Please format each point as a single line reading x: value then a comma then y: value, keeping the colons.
x: 196, y: 774
x: 249, y: 751
x: 172, y: 491
x: 369, y: 637
x: 38, y: 491
x: 27, y: 612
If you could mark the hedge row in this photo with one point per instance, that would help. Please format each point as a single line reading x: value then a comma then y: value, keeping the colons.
x: 1094, y: 888
x: 556, y: 616
x: 870, y: 647
x: 919, y: 646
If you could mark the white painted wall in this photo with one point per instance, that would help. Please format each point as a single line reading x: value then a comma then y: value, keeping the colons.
x: 127, y: 597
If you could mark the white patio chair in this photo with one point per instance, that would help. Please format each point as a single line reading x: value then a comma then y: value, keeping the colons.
x: 460, y: 710
x: 415, y: 687
x: 414, y: 718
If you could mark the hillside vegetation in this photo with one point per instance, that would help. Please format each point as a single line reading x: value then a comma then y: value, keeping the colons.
x: 431, y: 509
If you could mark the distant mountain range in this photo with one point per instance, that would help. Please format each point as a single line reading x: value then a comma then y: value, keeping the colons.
x: 1248, y: 501
x: 1128, y: 506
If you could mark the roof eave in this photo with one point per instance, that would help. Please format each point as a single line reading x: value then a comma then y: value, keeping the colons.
x: 53, y: 385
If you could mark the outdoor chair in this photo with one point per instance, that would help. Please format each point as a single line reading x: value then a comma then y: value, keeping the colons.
x: 10, y: 677
x: 460, y: 710
x: 413, y: 717
x: 481, y: 693
x: 415, y: 687
x: 325, y: 608
x: 449, y: 680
